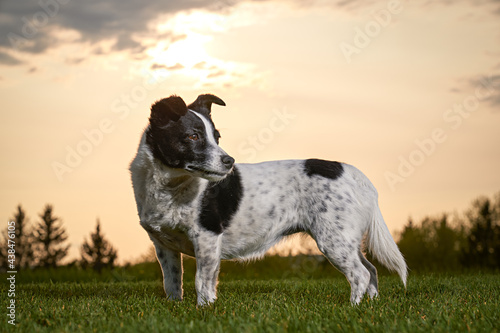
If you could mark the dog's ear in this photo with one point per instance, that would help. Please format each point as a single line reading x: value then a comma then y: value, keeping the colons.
x: 164, y: 110
x: 203, y: 103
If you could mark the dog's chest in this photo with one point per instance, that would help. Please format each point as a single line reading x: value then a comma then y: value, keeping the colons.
x: 168, y: 225
x: 173, y: 239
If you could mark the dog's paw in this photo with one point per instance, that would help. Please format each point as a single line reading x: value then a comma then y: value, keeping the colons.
x: 205, y: 301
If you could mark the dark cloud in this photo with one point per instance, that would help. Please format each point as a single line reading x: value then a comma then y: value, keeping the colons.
x: 27, y: 25
x: 75, y: 60
x: 7, y: 59
x: 490, y: 87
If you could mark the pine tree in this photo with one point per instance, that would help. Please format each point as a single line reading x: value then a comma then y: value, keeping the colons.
x: 98, y: 253
x: 50, y: 236
x: 24, y: 239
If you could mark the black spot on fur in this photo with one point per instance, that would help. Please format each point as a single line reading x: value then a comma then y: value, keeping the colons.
x: 328, y: 169
x: 272, y: 212
x: 323, y: 208
x: 220, y: 202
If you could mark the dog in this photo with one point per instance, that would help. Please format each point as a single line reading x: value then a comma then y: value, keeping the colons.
x: 193, y: 199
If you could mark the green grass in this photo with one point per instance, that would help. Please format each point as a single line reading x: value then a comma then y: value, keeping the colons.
x: 431, y: 303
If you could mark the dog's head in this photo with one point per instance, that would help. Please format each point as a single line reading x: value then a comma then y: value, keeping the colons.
x: 185, y: 137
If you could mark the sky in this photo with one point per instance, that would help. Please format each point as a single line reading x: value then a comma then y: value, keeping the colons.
x: 407, y: 91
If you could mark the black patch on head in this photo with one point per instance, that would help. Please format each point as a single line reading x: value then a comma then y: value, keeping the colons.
x: 220, y: 202
x: 170, y: 126
x: 328, y: 169
x: 167, y: 109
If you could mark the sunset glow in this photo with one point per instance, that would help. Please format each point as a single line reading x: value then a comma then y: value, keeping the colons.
x: 408, y: 93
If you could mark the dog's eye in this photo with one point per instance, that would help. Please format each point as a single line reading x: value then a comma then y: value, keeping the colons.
x: 194, y: 137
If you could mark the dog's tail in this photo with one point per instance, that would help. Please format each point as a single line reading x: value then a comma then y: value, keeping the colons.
x: 382, y: 245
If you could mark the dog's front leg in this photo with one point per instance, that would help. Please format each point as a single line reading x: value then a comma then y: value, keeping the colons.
x: 208, y: 257
x: 171, y: 267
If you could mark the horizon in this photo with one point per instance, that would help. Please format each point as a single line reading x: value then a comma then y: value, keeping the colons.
x: 408, y: 93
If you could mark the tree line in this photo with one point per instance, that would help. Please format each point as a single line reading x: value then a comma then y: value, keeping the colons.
x: 469, y: 241
x: 44, y: 244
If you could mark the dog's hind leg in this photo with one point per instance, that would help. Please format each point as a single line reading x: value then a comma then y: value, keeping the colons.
x: 343, y: 252
x: 208, y: 257
x: 171, y: 266
x: 373, y: 285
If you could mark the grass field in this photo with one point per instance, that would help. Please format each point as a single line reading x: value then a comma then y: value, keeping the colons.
x: 430, y: 303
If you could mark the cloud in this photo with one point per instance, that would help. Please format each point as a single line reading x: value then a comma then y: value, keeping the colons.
x: 170, y: 68
x: 28, y: 25
x: 216, y: 74
x: 75, y: 60
x: 7, y: 59
x: 494, y: 99
x: 203, y: 65
x: 490, y: 86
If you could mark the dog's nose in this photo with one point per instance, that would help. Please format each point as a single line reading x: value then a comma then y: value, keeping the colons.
x: 228, y: 161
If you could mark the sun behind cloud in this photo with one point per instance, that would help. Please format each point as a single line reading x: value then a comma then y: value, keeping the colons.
x: 186, y: 52
x: 187, y: 56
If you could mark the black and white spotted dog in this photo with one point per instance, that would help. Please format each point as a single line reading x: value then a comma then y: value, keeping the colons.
x: 193, y: 199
